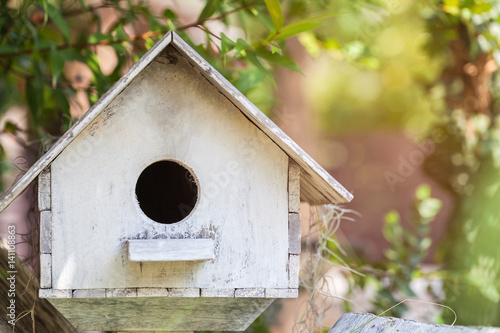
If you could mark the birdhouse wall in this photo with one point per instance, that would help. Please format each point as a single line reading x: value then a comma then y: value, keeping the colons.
x: 170, y: 112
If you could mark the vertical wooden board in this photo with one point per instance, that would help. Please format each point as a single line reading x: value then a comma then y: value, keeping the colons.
x: 45, y: 270
x: 169, y: 112
x: 44, y: 190
x: 293, y: 270
x: 294, y: 233
x: 46, y: 231
x: 293, y: 187
x: 162, y: 313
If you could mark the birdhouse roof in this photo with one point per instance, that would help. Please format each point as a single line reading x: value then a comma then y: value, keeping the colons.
x: 317, y: 185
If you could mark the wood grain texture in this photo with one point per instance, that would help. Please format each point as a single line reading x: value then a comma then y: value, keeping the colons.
x: 293, y: 271
x: 46, y: 231
x: 45, y: 270
x: 294, y: 233
x: 243, y: 202
x: 171, y: 249
x: 161, y: 313
x: 282, y: 293
x: 352, y: 321
x: 44, y: 197
x: 293, y: 187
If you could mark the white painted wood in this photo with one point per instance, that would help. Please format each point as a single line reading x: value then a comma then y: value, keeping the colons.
x: 321, y: 187
x: 161, y: 313
x: 44, y: 190
x: 46, y: 231
x: 45, y: 270
x: 293, y: 187
x: 170, y: 112
x: 369, y: 323
x: 184, y: 292
x: 171, y: 249
x: 152, y: 292
x: 250, y: 292
x: 117, y: 292
x: 55, y: 293
x: 89, y: 293
x: 293, y: 270
x: 221, y: 292
x: 282, y: 293
x: 294, y: 233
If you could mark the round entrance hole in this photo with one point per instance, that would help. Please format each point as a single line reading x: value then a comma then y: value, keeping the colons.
x: 167, y: 192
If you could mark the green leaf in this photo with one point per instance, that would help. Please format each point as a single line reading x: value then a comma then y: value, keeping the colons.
x: 480, y: 8
x: 168, y: 13
x: 274, y: 8
x: 279, y: 60
x: 301, y: 26
x: 10, y: 127
x: 423, y: 192
x: 226, y: 44
x: 275, y: 48
x: 208, y: 10
x: 56, y: 17
x: 241, y: 47
x: 56, y: 60
x: 149, y: 43
x: 294, y: 29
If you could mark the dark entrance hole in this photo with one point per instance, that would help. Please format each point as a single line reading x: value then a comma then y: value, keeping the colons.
x: 167, y: 192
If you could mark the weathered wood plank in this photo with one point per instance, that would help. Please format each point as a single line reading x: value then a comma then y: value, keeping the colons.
x: 293, y: 187
x: 89, y: 293
x: 152, y: 292
x: 171, y: 249
x: 369, y: 323
x: 44, y: 189
x: 294, y: 233
x: 293, y: 270
x: 45, y: 270
x: 184, y: 292
x: 46, y: 231
x: 162, y: 313
x: 118, y: 292
x: 55, y: 293
x: 217, y: 292
x: 282, y: 293
x: 250, y: 292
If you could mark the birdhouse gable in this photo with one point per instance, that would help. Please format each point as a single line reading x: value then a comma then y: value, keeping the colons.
x: 172, y: 192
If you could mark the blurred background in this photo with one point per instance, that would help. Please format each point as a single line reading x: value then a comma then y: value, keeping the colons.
x: 397, y: 99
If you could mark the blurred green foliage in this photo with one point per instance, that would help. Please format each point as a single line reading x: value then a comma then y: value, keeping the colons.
x: 409, y: 243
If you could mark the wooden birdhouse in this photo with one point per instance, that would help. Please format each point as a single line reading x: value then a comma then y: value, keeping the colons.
x: 172, y: 204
